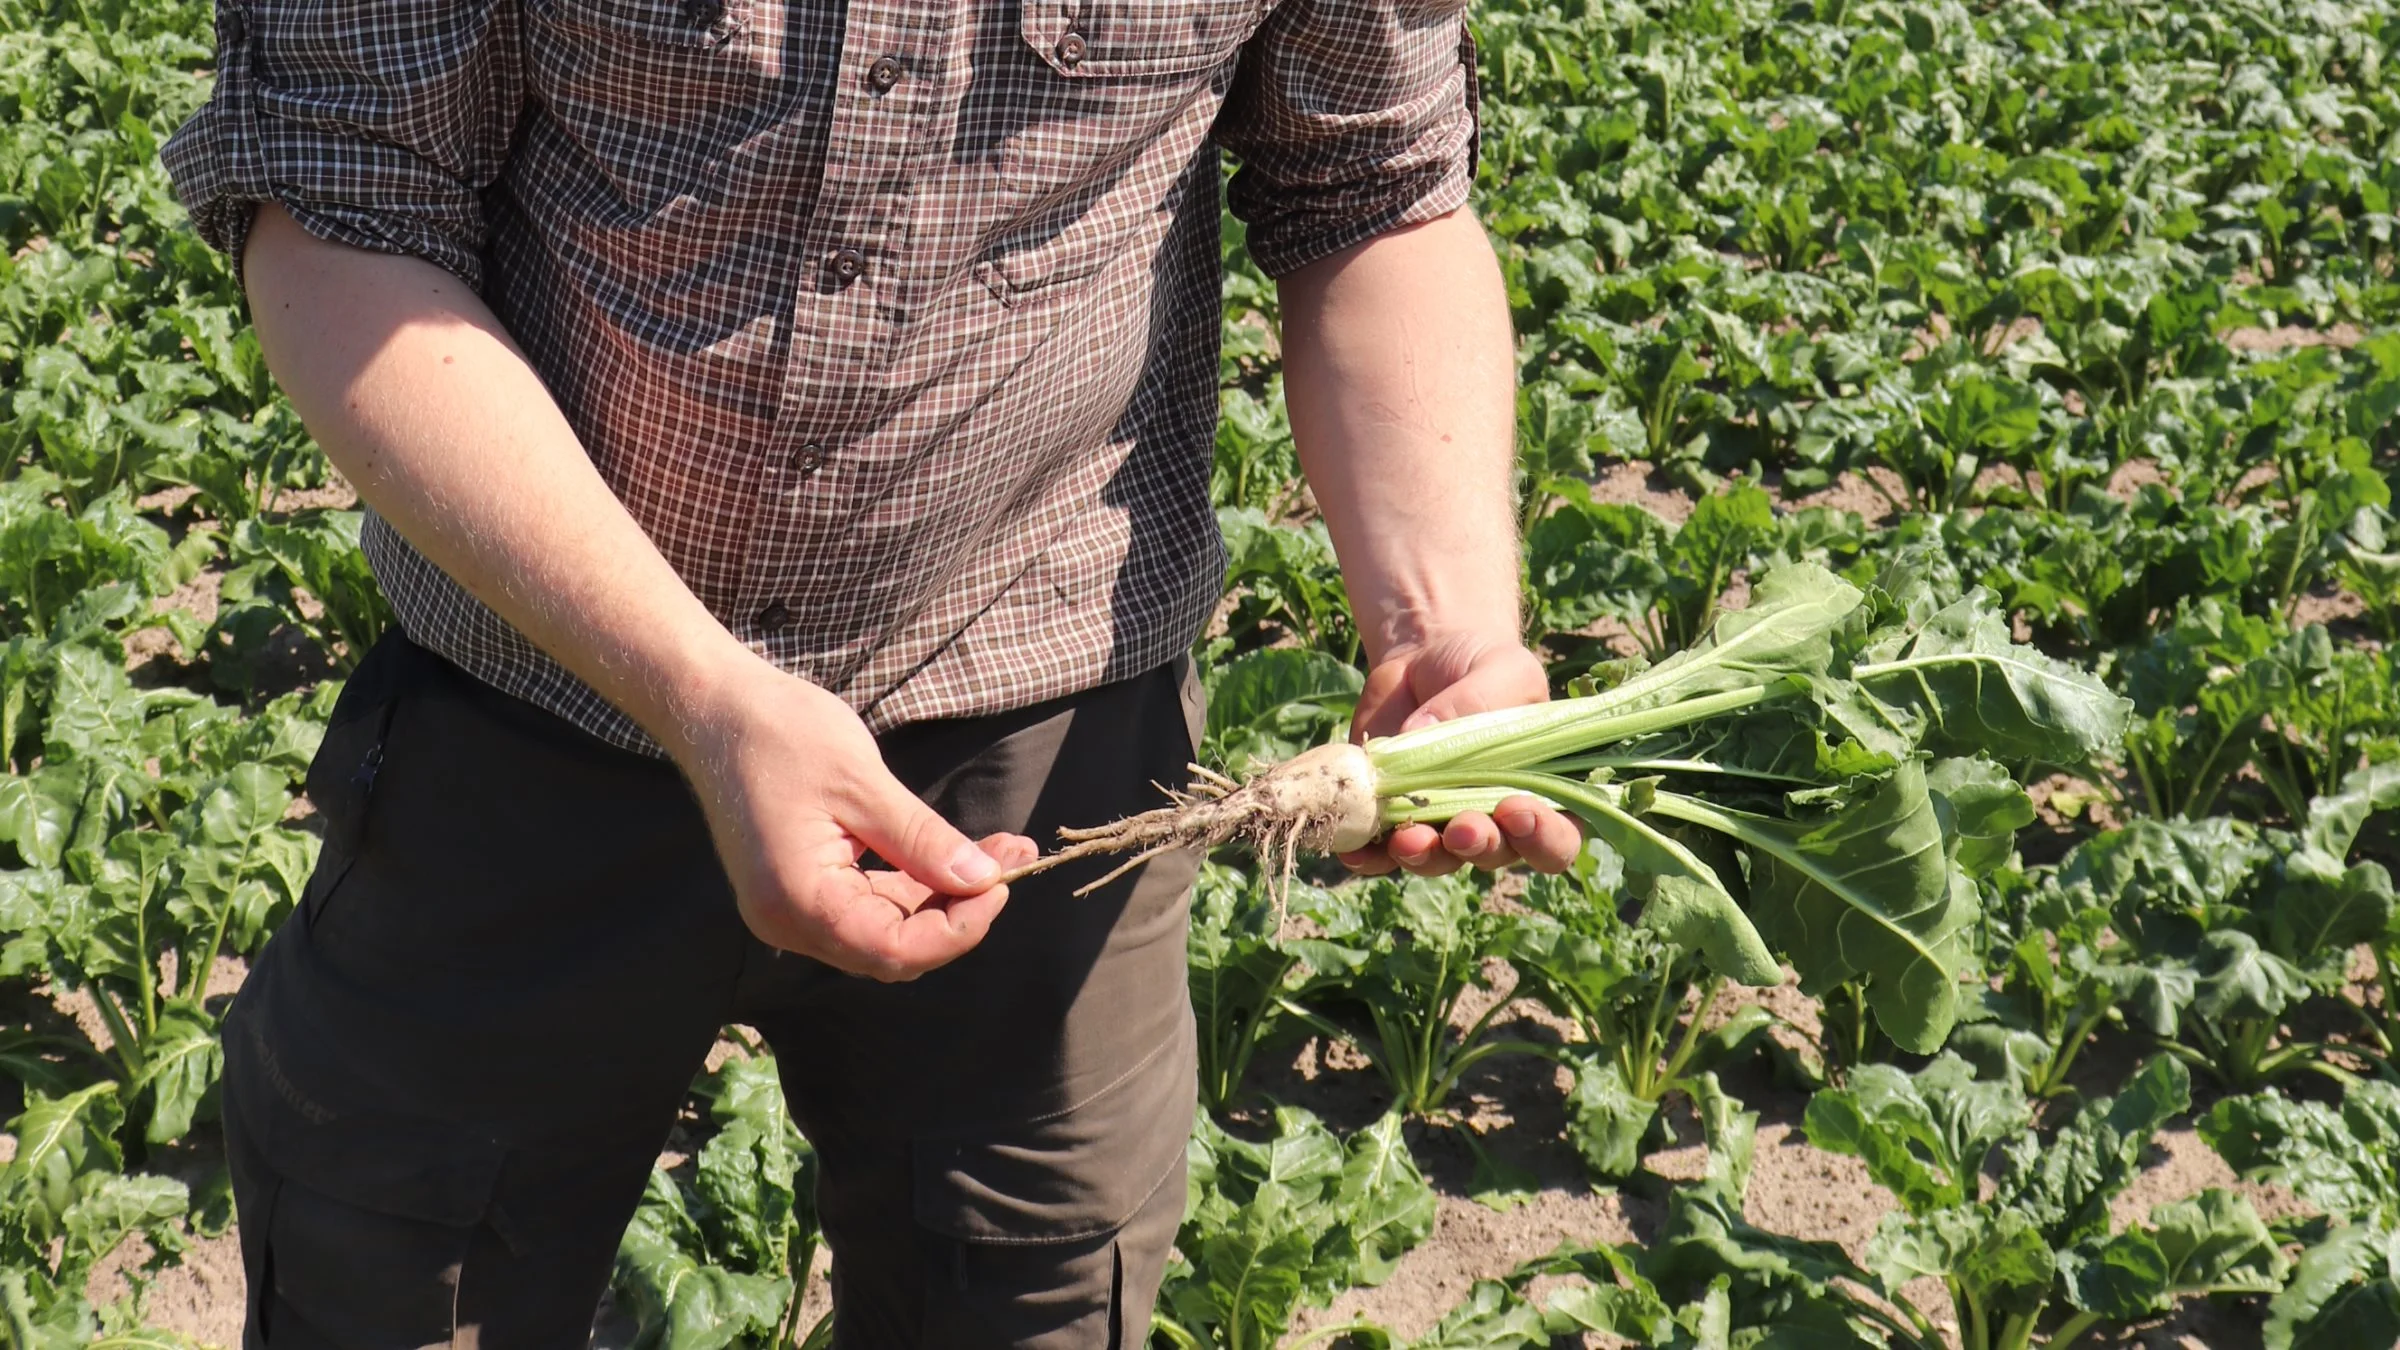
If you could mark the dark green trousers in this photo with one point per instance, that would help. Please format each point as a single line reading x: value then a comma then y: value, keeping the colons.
x: 450, y: 1072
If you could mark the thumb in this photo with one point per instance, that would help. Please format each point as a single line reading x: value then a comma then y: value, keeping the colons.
x: 1383, y: 704
x: 1484, y: 688
x: 911, y: 836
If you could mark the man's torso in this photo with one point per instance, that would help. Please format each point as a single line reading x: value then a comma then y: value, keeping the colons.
x: 897, y: 334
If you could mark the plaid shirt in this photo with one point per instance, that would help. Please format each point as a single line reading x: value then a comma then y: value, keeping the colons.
x: 893, y: 324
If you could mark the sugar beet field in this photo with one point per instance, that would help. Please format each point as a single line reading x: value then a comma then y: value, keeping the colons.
x: 2023, y: 975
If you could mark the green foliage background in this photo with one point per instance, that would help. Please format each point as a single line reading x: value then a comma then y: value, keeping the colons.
x: 2091, y: 305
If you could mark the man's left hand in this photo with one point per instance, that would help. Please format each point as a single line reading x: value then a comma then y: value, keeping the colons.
x: 1446, y: 676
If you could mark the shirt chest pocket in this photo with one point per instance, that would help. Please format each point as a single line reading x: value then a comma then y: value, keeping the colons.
x: 657, y: 96
x: 1092, y: 118
x: 1091, y: 79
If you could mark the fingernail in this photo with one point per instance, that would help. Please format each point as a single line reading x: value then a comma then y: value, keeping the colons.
x: 972, y: 865
x: 1517, y: 826
x: 1419, y: 720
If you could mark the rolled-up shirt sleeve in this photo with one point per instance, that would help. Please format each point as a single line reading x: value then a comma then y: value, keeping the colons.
x: 1351, y: 118
x: 376, y: 123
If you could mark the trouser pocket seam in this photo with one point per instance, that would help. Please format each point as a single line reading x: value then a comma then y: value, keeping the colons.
x: 346, y: 804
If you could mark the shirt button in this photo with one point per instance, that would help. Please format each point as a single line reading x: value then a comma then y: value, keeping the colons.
x: 775, y: 617
x: 884, y: 73
x: 703, y: 13
x: 848, y: 263
x: 1072, y: 48
x: 808, y: 459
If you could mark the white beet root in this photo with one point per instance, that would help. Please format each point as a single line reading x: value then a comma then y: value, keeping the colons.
x: 1332, y: 787
x: 1322, y: 800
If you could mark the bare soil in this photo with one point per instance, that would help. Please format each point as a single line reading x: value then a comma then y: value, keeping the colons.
x: 1870, y: 493
x: 2291, y: 335
x: 1637, y: 482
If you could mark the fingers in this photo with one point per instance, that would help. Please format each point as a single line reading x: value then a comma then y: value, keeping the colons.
x: 1546, y: 840
x: 913, y: 837
x: 1414, y: 849
x: 889, y: 928
x: 1374, y: 860
x: 1009, y: 850
x: 1520, y: 829
x: 898, y: 929
x: 1459, y: 676
x: 885, y: 925
x: 1449, y: 677
x: 1476, y: 840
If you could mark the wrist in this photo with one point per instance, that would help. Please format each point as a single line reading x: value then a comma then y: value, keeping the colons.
x: 1416, y: 630
x: 702, y: 698
x: 1409, y: 608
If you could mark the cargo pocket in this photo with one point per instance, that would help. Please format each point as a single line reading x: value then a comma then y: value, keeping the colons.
x: 369, y: 1219
x: 1030, y: 1214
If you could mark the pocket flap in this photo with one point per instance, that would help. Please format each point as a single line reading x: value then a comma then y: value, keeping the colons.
x: 1121, y: 38
x: 1071, y: 1175
x: 669, y: 23
x: 414, y: 1168
x: 417, y: 1169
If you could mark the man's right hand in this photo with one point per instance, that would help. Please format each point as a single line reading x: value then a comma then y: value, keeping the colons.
x: 425, y: 403
x: 796, y: 792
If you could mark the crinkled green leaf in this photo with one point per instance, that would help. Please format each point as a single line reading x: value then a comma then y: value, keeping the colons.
x: 746, y: 1171
x: 1605, y: 1121
x: 1925, y: 1136
x: 1586, y: 560
x: 1599, y: 1288
x: 109, y: 1208
x: 1731, y: 1134
x: 59, y: 1141
x: 1704, y: 919
x: 2320, y: 902
x: 2342, y: 1293
x: 1492, y: 1317
x: 2345, y: 1160
x: 2000, y: 1253
x: 2211, y: 1243
x: 1864, y: 894
x: 681, y: 1301
x: 1386, y: 1204
x: 2065, y: 1185
x: 182, y: 1060
x: 2238, y: 978
x: 2159, y: 879
x: 1705, y: 1235
x: 1986, y: 807
x: 1960, y: 685
x: 1268, y: 705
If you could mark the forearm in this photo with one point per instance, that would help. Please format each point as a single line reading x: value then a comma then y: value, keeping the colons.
x: 419, y: 396
x: 1399, y: 375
